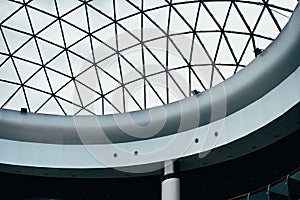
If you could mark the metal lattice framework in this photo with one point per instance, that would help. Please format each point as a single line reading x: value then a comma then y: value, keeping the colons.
x: 79, y: 57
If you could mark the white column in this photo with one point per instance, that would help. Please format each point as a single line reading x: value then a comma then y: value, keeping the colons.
x: 170, y: 187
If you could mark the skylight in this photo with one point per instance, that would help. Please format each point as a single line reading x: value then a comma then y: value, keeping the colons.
x: 71, y: 57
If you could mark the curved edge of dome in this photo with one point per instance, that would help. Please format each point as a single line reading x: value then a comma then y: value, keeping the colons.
x: 256, y: 96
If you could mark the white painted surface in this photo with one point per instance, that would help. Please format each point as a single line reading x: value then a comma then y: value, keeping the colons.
x: 170, y: 189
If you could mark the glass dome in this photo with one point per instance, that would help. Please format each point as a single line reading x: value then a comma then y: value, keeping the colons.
x: 102, y: 57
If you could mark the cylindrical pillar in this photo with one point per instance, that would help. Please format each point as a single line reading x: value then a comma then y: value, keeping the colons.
x: 170, y: 186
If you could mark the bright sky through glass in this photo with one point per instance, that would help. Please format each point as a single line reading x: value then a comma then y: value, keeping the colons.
x: 72, y: 57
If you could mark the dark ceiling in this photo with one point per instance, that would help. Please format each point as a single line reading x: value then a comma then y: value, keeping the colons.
x: 220, y: 181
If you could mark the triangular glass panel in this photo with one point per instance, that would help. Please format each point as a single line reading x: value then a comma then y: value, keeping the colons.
x: 45, y: 6
x: 159, y: 16
x: 219, y: 10
x: 284, y: 4
x: 205, y: 22
x: 56, y: 80
x: 78, y: 64
x: 152, y: 30
x: 35, y: 98
x: 210, y: 43
x: 280, y: 188
x: 109, y: 109
x: 178, y: 84
x: 195, y: 83
x: 111, y: 65
x: 217, y: 77
x: 152, y: 99
x: 19, y: 21
x: 129, y: 73
x: 136, y: 89
x: 72, y: 34
x: 78, y: 18
x: 83, y: 48
x: 131, y: 24
x: 8, y: 72
x: 48, y: 50
x: 104, y: 6
x: 204, y: 74
x: 126, y: 40
x: 137, y: 3
x: 266, y: 26
x: 116, y: 99
x: 3, y: 58
x: 131, y: 102
x: 281, y: 19
x: 29, y: 52
x: 107, y: 35
x: 96, y: 107
x: 237, y: 43
x: 60, y: 64
x: 97, y: 19
x: 250, y: 12
x: 177, y: 24
x: 235, y: 22
x: 181, y: 76
x: 51, y: 107
x: 281, y: 15
x: 25, y: 69
x: 262, y: 195
x: 296, y: 176
x: 248, y: 55
x: 158, y: 81
x: 84, y: 112
x: 14, y: 39
x: 175, y: 61
x: 90, y: 79
x: 101, y: 51
x: 153, y: 4
x: 153, y: 69
x: 7, y: 89
x: 67, y: 5
x: 68, y: 107
x: 3, y: 47
x: 224, y: 54
x: 39, y: 20
x: 226, y: 71
x: 134, y: 57
x: 239, y: 69
x: 183, y: 48
x: 69, y: 93
x: 107, y: 82
x: 124, y: 9
x: 199, y: 55
x: 39, y: 81
x: 7, y: 8
x: 257, y: 1
x: 53, y: 34
x: 155, y: 56
x: 262, y: 43
x: 87, y: 94
x: 189, y: 12
x: 176, y: 1
x: 17, y: 102
x: 179, y: 1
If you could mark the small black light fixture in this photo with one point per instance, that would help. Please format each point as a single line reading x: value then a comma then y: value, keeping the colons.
x: 195, y: 92
x: 257, y: 51
x: 23, y: 110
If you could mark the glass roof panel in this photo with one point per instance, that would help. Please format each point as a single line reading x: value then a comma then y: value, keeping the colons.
x: 112, y: 56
